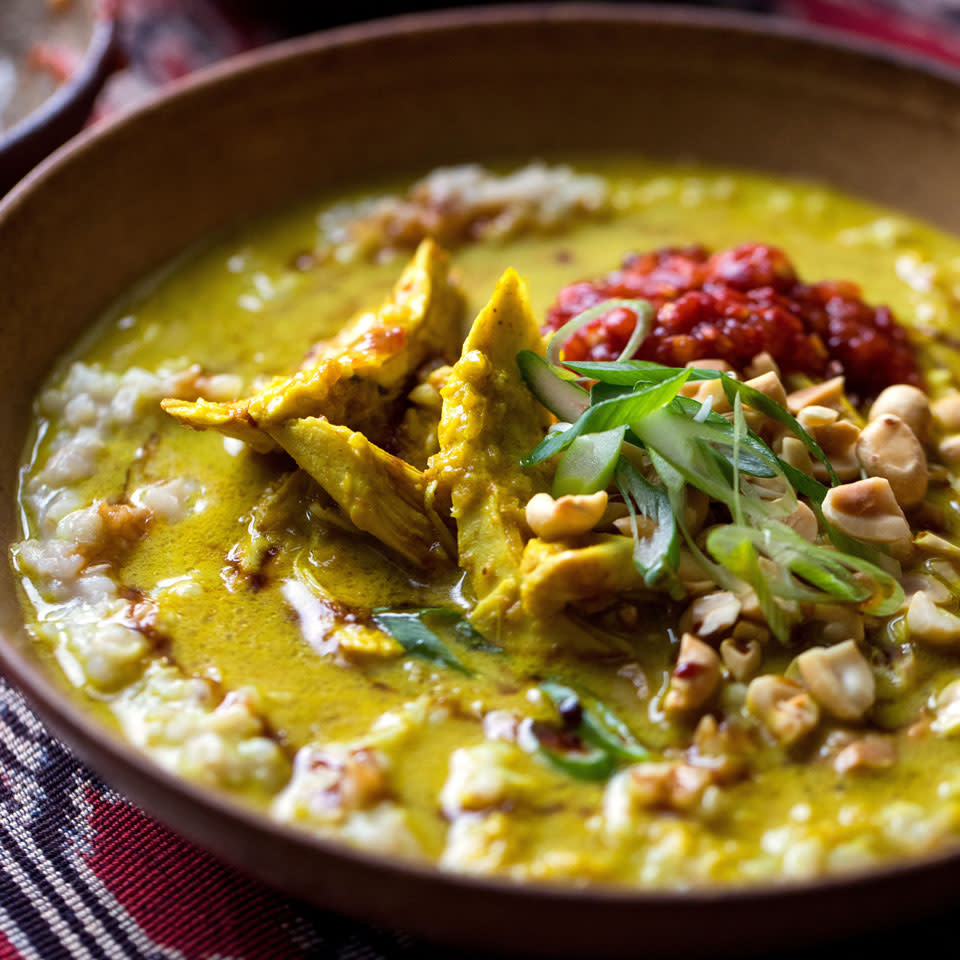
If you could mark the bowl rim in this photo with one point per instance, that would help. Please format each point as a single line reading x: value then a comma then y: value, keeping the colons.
x: 86, y: 75
x: 81, y: 731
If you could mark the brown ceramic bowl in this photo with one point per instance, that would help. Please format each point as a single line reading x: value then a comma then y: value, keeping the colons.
x: 36, y: 116
x: 413, y: 93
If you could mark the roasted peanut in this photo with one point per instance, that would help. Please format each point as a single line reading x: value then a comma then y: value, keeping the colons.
x: 827, y: 394
x: 949, y: 449
x: 770, y: 386
x: 794, y: 451
x: 935, y: 589
x: 816, y: 416
x: 803, y: 521
x: 946, y: 413
x: 569, y: 516
x: 908, y: 403
x: 839, y: 442
x: 762, y: 363
x: 867, y: 510
x: 889, y: 448
x: 932, y: 625
x: 714, y: 612
x: 947, y: 721
x: 743, y: 658
x: 873, y: 752
x: 787, y: 711
x: 694, y: 678
x: 839, y: 678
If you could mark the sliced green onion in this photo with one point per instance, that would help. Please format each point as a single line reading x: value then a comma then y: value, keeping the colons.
x: 599, y: 728
x: 806, y: 572
x: 410, y: 629
x: 640, y: 308
x: 677, y: 491
x: 628, y: 373
x: 564, y: 399
x: 616, y: 412
x: 756, y: 400
x: 644, y: 313
x: 654, y: 556
x: 589, y: 463
x: 590, y: 763
x: 739, y: 431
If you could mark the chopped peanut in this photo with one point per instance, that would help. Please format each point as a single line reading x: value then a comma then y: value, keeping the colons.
x: 569, y: 516
x: 947, y: 721
x: 949, y: 449
x: 669, y: 786
x: 839, y: 678
x: 794, y: 451
x: 803, y: 522
x: 839, y: 442
x: 935, y: 589
x: 946, y: 413
x: 714, y: 612
x: 784, y: 708
x: 694, y: 678
x: 867, y: 510
x: 770, y: 386
x: 762, y: 363
x: 873, y: 752
x: 827, y: 394
x: 815, y: 416
x: 932, y: 625
x: 908, y: 403
x: 889, y: 448
x: 743, y: 658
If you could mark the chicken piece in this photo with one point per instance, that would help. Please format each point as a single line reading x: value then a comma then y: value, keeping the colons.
x: 380, y: 493
x: 489, y: 421
x: 556, y: 573
x: 275, y: 510
x: 231, y: 419
x: 357, y: 377
x: 416, y: 436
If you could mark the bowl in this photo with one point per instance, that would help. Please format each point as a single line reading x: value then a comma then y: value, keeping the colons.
x: 267, y: 127
x: 36, y: 115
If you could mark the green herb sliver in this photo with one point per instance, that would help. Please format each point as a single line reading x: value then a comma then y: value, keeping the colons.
x: 617, y: 412
x: 589, y: 463
x: 801, y: 571
x: 410, y: 630
x: 642, y: 309
x: 629, y: 373
x: 688, y: 444
x: 656, y: 555
x: 760, y: 402
x: 597, y: 740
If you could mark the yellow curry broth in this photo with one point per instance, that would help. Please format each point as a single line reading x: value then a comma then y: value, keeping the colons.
x: 245, y: 306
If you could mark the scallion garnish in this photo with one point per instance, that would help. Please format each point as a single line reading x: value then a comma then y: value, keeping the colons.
x: 608, y: 414
x: 689, y: 444
x: 641, y: 309
x: 801, y: 571
x: 593, y: 739
x: 589, y: 463
x: 410, y: 629
x: 656, y: 554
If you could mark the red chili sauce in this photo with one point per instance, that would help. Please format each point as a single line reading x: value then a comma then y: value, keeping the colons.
x: 735, y: 304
